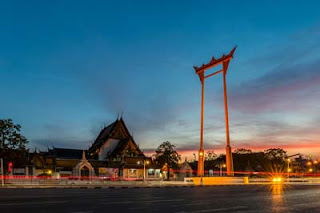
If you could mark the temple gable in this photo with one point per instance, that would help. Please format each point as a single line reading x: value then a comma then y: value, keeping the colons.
x: 114, y: 141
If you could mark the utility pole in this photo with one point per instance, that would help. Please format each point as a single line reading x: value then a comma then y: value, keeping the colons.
x: 2, y: 172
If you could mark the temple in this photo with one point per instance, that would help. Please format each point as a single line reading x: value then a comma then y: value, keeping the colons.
x: 113, y: 154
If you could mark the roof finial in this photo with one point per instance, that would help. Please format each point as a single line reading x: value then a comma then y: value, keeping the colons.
x: 83, y: 155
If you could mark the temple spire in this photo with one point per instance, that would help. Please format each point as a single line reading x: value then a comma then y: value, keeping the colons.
x: 84, y: 156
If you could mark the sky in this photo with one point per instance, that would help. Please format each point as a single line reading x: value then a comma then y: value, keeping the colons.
x: 68, y: 68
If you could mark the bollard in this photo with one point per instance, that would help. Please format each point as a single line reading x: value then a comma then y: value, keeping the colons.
x: 246, y: 180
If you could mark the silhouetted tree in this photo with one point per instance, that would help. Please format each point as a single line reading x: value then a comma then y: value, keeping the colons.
x: 166, y: 155
x: 275, y: 154
x: 243, y: 151
x: 12, y: 143
x: 275, y: 160
x: 271, y: 160
x: 10, y: 137
x: 210, y: 155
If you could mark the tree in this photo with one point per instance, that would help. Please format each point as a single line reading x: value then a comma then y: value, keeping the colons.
x: 275, y: 154
x: 10, y: 137
x: 210, y: 156
x: 276, y: 158
x: 243, y: 151
x: 166, y: 155
x: 12, y: 143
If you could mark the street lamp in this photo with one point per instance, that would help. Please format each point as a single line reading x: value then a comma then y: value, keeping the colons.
x: 288, y: 170
x: 144, y: 163
x: 2, y: 172
x: 315, y: 162
x: 309, y: 163
x: 201, y: 173
x: 222, y: 165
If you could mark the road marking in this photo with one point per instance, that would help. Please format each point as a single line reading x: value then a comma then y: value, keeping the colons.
x: 32, y: 203
x: 83, y: 212
x: 143, y: 201
x: 196, y: 203
x: 215, y: 210
x: 136, y: 208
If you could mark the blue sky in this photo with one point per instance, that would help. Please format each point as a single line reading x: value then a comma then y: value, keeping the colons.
x: 70, y: 67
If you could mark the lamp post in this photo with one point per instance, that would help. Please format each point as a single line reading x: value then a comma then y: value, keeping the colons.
x: 144, y: 163
x: 315, y: 162
x: 309, y: 164
x: 2, y: 172
x: 201, y: 173
x: 221, y: 165
x: 288, y: 170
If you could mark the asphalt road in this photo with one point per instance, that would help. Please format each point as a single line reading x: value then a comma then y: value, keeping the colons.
x: 259, y: 198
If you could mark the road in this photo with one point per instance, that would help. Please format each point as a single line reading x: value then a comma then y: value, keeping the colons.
x: 246, y: 198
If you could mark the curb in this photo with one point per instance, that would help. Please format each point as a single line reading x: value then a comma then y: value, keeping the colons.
x: 130, y: 187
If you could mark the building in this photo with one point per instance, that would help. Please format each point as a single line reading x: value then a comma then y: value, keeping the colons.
x: 114, y: 154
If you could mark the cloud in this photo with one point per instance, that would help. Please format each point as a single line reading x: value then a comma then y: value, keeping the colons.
x: 291, y: 76
x: 61, y: 135
x: 287, y: 88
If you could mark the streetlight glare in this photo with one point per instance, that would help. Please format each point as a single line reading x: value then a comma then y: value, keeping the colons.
x: 277, y: 180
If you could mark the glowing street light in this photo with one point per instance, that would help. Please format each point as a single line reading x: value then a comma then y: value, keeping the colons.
x: 288, y: 170
x: 222, y: 165
x: 144, y: 163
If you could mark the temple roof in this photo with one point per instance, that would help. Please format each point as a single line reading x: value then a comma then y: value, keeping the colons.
x: 66, y: 153
x: 120, y: 134
x: 104, y: 134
